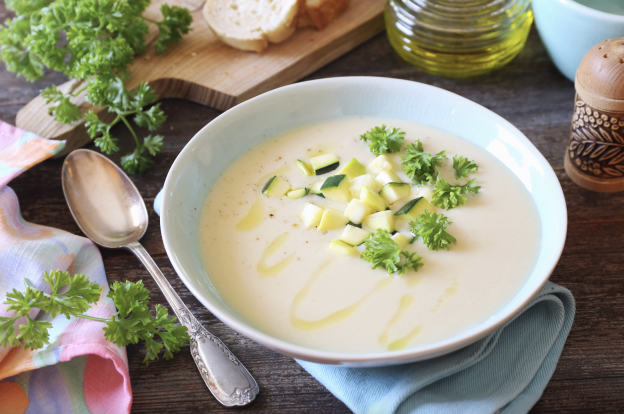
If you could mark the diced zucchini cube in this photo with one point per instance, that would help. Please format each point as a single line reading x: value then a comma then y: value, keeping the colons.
x: 305, y: 168
x: 392, y: 192
x: 354, y: 235
x: 386, y: 177
x: 374, y: 201
x: 298, y: 193
x: 311, y: 215
x: 316, y: 187
x: 332, y: 219
x: 276, y: 187
x: 353, y: 169
x: 413, y: 209
x: 357, y: 210
x: 426, y: 192
x: 342, y: 248
x: 381, y: 220
x: 357, y: 183
x: 324, y: 163
x: 336, y: 188
x: 401, y: 239
x: 379, y: 164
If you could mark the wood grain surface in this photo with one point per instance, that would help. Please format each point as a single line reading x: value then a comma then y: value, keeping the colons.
x: 529, y: 92
x: 203, y: 69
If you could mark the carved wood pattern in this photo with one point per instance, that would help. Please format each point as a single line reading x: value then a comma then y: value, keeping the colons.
x: 596, y: 146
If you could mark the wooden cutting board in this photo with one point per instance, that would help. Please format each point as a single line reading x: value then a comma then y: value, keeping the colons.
x: 203, y: 69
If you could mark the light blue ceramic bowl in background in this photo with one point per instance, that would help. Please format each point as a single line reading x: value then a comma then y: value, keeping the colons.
x: 233, y: 133
x: 569, y: 29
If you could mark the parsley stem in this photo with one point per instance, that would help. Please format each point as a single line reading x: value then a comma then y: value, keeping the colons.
x: 93, y: 318
x: 150, y: 20
x: 79, y: 92
x: 112, y: 123
x: 125, y: 121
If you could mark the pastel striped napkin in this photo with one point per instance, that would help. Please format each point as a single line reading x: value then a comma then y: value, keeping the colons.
x: 79, y: 371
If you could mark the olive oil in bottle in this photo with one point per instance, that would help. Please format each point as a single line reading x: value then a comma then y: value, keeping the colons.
x: 458, y: 38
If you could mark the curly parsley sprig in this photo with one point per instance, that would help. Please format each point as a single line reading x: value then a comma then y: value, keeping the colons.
x: 72, y: 296
x: 449, y: 196
x: 432, y: 228
x: 463, y: 166
x: 421, y: 167
x: 382, y: 251
x: 383, y: 140
x: 93, y: 41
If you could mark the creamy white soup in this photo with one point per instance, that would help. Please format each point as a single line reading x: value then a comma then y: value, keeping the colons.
x: 281, y: 276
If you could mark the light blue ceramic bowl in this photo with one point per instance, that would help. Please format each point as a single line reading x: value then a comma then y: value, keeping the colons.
x: 236, y: 131
x: 569, y: 29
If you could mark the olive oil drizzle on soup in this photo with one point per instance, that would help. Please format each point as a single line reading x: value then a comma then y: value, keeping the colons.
x: 281, y: 277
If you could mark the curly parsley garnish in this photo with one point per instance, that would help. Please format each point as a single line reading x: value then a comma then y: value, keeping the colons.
x: 93, y: 41
x: 463, y: 166
x: 383, y: 140
x: 432, y: 228
x: 448, y: 196
x: 131, y: 323
x: 421, y: 167
x: 382, y: 251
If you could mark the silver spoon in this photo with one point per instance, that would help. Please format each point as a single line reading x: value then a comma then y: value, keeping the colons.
x: 110, y: 211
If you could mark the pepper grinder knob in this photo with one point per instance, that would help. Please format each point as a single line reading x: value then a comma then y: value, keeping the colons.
x: 594, y: 158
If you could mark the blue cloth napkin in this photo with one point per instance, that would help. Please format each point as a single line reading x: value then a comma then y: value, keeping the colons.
x: 505, y: 372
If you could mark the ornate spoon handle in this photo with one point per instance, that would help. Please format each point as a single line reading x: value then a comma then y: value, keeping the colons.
x: 227, y: 379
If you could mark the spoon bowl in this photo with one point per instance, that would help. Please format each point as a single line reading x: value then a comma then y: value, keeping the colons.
x: 107, y: 206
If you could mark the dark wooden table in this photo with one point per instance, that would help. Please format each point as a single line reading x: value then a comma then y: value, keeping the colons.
x: 529, y: 92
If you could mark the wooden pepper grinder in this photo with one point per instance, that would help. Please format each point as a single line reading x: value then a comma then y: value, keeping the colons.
x: 595, y: 155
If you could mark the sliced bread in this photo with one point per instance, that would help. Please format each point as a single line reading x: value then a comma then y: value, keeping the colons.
x: 323, y: 12
x: 251, y: 24
x: 303, y: 20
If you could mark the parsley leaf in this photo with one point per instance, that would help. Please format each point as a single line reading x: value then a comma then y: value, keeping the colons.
x: 463, y: 166
x: 421, y: 167
x: 382, y: 251
x: 150, y: 119
x: 136, y: 162
x: 95, y: 127
x: 176, y: 22
x: 448, y: 196
x: 135, y: 323
x: 74, y: 300
x: 33, y: 334
x: 65, y: 111
x: 383, y: 140
x: 153, y: 144
x: 173, y: 336
x: 93, y: 41
x: 72, y: 296
x: 432, y: 228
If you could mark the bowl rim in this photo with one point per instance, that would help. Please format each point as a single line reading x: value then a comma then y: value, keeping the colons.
x: 586, y: 10
x: 342, y: 358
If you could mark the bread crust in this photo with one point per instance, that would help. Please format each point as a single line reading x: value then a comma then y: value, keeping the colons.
x: 303, y: 20
x: 323, y: 12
